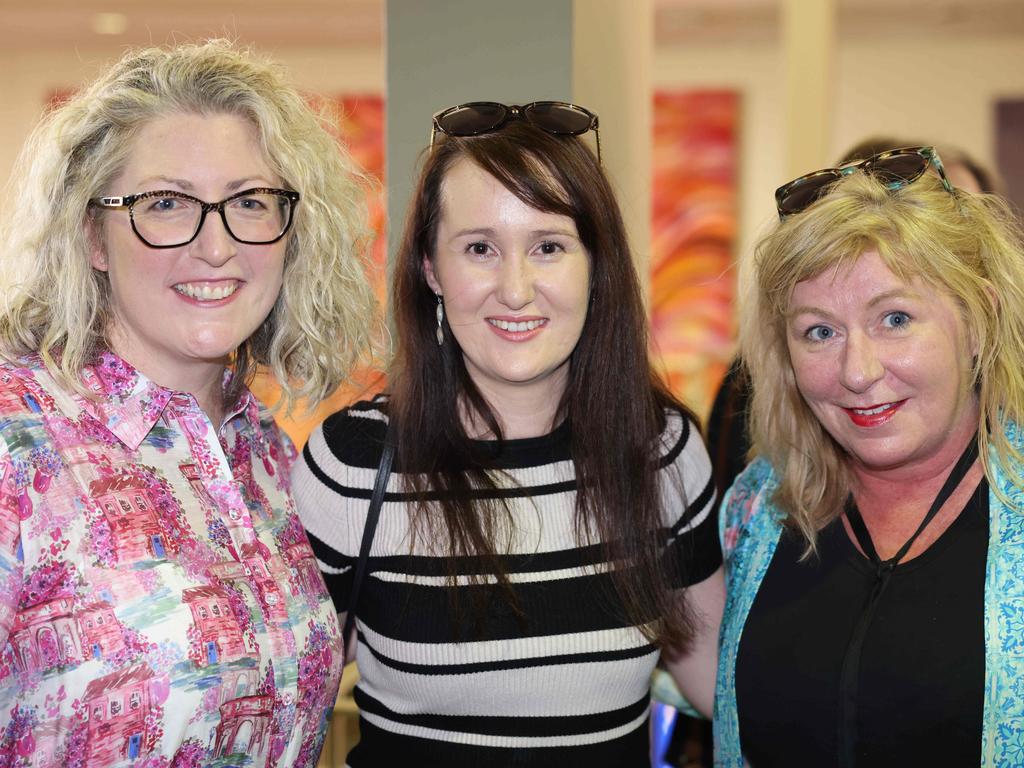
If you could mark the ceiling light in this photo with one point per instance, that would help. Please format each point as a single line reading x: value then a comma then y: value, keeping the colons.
x: 109, y: 23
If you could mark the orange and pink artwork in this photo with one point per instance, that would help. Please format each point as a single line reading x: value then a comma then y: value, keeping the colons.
x: 693, y: 235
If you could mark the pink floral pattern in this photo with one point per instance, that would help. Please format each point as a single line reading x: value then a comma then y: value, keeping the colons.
x: 160, y: 605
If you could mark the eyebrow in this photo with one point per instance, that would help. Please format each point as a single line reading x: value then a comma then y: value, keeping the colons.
x: 491, y: 232
x: 185, y: 184
x: 895, y: 293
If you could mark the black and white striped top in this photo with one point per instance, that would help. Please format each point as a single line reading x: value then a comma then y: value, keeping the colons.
x: 566, y: 686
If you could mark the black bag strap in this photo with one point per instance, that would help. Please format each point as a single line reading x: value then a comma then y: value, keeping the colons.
x: 372, y: 516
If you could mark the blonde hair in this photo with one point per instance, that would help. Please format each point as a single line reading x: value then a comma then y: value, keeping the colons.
x: 55, y: 304
x: 968, y: 247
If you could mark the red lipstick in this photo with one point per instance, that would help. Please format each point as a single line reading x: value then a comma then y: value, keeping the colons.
x: 876, y: 416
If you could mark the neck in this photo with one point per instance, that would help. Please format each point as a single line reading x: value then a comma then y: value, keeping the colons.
x: 892, y: 488
x: 204, y: 380
x: 526, y: 410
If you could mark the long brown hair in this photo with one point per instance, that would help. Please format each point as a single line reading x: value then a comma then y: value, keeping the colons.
x: 614, y: 401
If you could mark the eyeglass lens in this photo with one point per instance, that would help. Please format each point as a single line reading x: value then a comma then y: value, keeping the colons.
x: 894, y: 170
x: 471, y: 119
x: 899, y: 169
x: 801, y: 194
x: 167, y: 220
x: 558, y: 118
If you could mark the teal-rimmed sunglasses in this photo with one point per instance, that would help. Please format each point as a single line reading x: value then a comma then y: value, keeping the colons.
x: 896, y: 168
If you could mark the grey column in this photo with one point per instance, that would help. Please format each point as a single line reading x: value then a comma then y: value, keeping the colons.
x: 446, y: 52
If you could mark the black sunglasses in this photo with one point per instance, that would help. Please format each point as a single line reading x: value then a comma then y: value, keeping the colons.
x: 476, y: 117
x: 895, y: 168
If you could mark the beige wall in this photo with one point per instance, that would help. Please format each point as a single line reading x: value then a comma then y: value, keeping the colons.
x: 938, y: 90
x: 30, y: 77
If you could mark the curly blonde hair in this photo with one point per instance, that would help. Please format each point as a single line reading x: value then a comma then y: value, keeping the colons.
x: 56, y: 304
x: 968, y: 247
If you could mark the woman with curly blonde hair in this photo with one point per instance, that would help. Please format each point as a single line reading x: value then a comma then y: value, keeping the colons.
x: 872, y: 548
x: 180, y: 221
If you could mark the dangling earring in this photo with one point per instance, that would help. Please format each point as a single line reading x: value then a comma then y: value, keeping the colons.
x: 440, y: 320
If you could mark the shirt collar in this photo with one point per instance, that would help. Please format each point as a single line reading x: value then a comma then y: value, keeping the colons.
x: 128, y: 404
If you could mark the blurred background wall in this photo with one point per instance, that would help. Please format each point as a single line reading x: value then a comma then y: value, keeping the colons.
x: 808, y: 77
x: 745, y: 95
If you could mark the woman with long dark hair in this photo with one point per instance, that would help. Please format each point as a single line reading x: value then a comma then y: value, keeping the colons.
x: 550, y: 499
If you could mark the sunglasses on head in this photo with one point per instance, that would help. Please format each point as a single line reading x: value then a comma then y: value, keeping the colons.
x: 895, y: 168
x: 476, y: 117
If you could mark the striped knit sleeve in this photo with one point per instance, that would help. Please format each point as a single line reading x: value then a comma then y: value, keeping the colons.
x: 689, y: 502
x: 332, y: 496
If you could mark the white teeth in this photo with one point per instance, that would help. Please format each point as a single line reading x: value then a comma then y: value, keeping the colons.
x: 206, y: 292
x: 514, y: 327
x: 873, y: 411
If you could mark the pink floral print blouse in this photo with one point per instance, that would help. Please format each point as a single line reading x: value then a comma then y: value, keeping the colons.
x: 159, y: 601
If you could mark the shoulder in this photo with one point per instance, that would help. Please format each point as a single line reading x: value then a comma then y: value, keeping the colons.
x: 685, y: 470
x: 680, y: 437
x: 27, y: 391
x: 355, y: 434
x: 683, y: 454
x: 748, y: 496
x: 1014, y: 434
x: 280, y: 445
x: 344, y: 449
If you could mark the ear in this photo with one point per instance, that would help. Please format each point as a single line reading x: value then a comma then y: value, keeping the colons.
x: 431, y: 276
x: 97, y: 248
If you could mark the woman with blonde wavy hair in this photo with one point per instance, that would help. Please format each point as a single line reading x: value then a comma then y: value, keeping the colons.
x: 872, y: 549
x: 178, y: 222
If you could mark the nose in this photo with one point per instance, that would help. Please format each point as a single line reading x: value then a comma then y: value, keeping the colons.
x: 861, y: 366
x: 214, y: 244
x: 515, y: 281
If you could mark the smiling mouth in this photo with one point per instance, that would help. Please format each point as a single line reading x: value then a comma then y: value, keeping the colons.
x: 204, y: 292
x: 874, y: 410
x: 875, y: 415
x: 517, y: 327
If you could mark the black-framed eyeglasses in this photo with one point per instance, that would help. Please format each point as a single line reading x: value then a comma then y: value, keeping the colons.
x: 476, y: 117
x: 895, y: 168
x: 171, y: 219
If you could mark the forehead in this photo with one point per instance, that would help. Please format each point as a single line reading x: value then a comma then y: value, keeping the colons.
x: 863, y: 281
x: 468, y: 191
x: 196, y: 148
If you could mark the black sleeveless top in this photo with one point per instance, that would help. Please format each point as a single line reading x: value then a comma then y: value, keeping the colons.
x: 921, y: 685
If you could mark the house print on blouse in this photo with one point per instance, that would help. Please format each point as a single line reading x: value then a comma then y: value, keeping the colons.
x: 245, y: 728
x: 215, y: 634
x: 53, y: 634
x: 123, y: 710
x: 135, y: 530
x: 160, y: 606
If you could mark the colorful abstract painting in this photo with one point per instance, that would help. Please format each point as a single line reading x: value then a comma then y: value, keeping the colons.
x: 361, y: 129
x: 693, y: 235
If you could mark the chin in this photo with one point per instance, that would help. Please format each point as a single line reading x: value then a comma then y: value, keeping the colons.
x: 213, y: 346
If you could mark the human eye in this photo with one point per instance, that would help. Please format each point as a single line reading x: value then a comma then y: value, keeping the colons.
x: 164, y: 205
x: 895, y: 319
x: 253, y: 203
x: 819, y: 333
x: 550, y: 248
x: 479, y: 249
